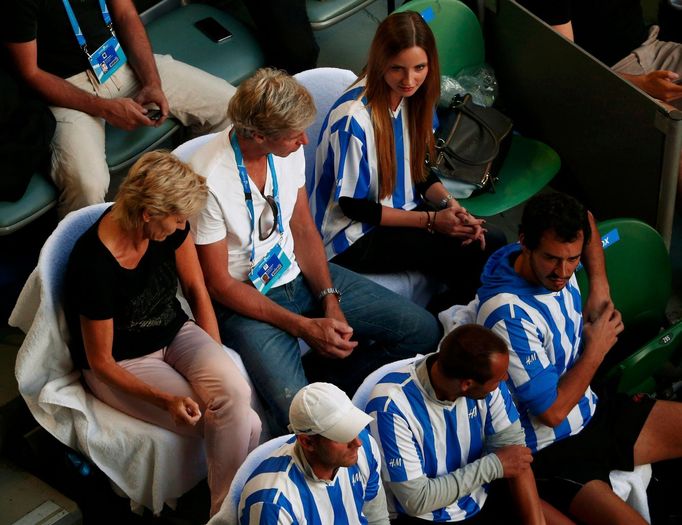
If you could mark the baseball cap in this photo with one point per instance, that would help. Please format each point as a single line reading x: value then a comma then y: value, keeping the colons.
x: 324, y: 409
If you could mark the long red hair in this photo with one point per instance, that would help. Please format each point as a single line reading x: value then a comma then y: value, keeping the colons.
x: 398, y: 32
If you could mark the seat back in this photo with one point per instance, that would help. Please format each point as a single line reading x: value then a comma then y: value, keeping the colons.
x: 325, y: 84
x: 230, y: 509
x: 186, y: 150
x: 639, y: 273
x: 645, y: 370
x: 364, y: 391
x: 458, y: 33
x: 329, y: 12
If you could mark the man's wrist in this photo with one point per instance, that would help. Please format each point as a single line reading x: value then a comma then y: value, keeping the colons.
x: 331, y: 291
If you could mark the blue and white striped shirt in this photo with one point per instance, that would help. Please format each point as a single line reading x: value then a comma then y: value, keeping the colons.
x: 419, y: 435
x: 543, y: 330
x: 284, y: 490
x: 346, y: 166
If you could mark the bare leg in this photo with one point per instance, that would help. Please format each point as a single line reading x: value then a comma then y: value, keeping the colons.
x: 660, y: 437
x: 597, y: 504
x: 554, y: 516
x: 525, y: 494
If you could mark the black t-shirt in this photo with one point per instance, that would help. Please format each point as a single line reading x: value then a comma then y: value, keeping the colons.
x: 142, y: 301
x: 607, y: 29
x: 46, y: 22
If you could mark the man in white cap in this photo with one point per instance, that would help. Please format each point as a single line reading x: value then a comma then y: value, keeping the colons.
x: 328, y: 473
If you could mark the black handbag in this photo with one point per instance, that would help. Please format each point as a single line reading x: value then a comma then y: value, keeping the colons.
x: 471, y: 142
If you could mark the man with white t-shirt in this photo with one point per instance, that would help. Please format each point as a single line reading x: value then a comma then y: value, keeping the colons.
x: 530, y: 298
x: 447, y: 427
x: 264, y: 262
x: 328, y: 473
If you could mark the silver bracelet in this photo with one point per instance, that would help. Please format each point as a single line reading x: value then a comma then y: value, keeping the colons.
x: 324, y: 293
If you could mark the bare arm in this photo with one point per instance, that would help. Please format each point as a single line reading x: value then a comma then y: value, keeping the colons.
x: 122, y: 112
x: 244, y: 299
x: 133, y: 37
x: 599, y: 335
x: 593, y: 259
x: 565, y: 29
x: 193, y: 287
x: 658, y: 84
x: 98, y: 338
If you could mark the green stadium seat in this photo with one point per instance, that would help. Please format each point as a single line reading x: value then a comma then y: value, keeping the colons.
x: 640, y: 280
x: 39, y: 197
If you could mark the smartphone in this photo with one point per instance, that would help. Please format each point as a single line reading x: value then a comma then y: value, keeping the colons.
x: 153, y: 114
x: 213, y: 29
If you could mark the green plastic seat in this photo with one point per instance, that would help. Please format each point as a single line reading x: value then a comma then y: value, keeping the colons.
x: 640, y: 280
x: 641, y: 371
x: 39, y: 197
x: 325, y: 13
x: 639, y: 271
x: 530, y: 164
x: 174, y: 34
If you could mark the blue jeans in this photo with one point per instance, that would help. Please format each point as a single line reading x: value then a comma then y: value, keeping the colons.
x: 387, y: 326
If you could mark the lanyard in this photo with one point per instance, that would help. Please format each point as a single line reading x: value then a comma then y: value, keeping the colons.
x: 77, y: 28
x: 244, y: 177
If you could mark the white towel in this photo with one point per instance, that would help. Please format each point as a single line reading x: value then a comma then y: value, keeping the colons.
x: 149, y: 464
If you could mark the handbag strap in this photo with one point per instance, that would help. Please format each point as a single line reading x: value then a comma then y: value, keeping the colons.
x: 460, y: 103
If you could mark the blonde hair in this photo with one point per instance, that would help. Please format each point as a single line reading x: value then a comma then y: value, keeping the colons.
x: 160, y: 184
x: 397, y: 32
x: 270, y: 103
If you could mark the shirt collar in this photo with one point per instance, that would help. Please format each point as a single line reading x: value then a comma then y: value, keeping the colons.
x: 302, y: 463
x: 421, y: 372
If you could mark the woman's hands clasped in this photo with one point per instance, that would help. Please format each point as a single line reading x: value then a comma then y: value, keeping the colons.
x: 456, y: 221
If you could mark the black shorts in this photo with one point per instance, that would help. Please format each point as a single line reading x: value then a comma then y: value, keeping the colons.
x: 607, y: 443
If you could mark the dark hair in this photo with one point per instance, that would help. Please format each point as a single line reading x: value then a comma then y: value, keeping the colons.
x: 465, y: 352
x: 556, y: 212
x: 397, y: 32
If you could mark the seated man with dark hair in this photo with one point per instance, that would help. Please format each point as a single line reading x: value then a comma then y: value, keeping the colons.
x: 531, y: 299
x: 447, y: 427
x: 92, y: 62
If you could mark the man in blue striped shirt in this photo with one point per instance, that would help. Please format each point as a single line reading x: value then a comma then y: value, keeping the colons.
x: 447, y: 427
x: 530, y: 298
x: 328, y: 473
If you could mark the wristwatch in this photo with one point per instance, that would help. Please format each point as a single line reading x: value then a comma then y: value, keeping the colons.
x: 444, y: 201
x: 324, y: 293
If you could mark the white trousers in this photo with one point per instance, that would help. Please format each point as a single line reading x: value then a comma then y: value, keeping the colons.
x: 79, y: 167
x: 194, y: 365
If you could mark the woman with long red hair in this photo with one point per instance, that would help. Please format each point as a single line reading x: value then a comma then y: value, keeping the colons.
x: 378, y: 207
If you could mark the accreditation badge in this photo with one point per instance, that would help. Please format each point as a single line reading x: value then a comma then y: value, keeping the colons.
x: 269, y: 269
x: 106, y: 60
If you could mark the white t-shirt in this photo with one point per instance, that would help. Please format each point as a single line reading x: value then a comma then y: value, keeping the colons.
x: 226, y: 214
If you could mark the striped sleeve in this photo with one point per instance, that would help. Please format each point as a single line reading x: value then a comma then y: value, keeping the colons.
x: 533, y: 378
x: 502, y: 412
x: 264, y: 513
x: 348, y: 143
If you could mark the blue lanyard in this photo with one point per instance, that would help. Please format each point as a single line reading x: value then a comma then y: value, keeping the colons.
x: 244, y: 177
x: 77, y: 28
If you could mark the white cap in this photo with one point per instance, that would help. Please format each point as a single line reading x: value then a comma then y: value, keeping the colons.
x: 324, y: 409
